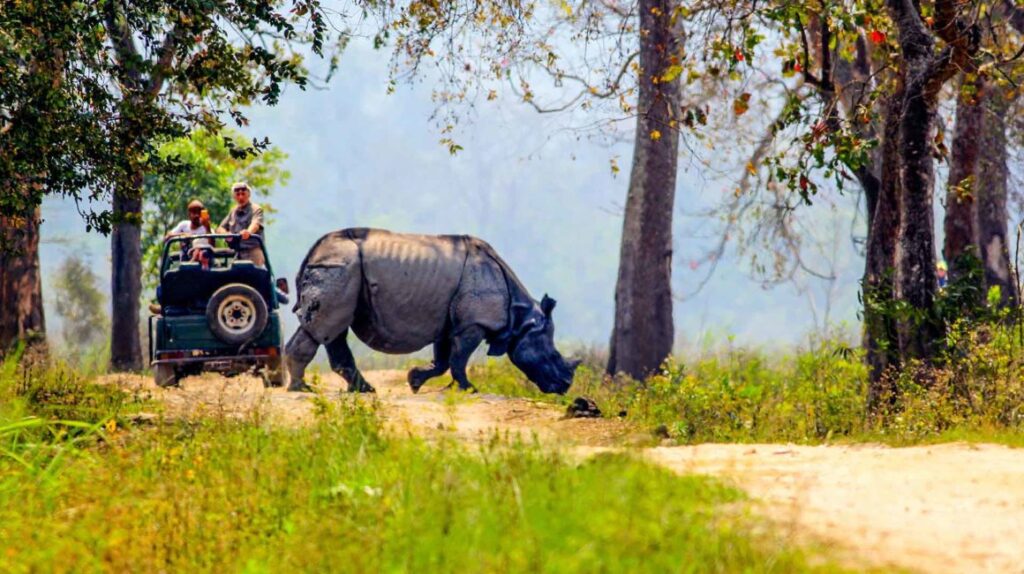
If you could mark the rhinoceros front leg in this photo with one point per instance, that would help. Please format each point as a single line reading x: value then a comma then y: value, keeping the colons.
x: 463, y: 345
x: 343, y: 363
x: 420, y: 375
x: 300, y: 351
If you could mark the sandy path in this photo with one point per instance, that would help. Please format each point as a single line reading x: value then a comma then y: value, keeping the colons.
x: 947, y: 508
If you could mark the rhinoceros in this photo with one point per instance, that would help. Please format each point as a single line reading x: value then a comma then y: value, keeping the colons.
x: 401, y: 292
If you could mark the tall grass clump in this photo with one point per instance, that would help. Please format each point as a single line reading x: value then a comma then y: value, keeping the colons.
x: 49, y: 414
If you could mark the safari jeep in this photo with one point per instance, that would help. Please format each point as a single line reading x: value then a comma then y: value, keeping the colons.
x: 222, y: 315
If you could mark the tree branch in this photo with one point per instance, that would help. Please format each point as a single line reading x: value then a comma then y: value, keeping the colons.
x: 1016, y: 15
x: 165, y: 57
x: 124, y: 45
x: 809, y: 78
x: 915, y: 40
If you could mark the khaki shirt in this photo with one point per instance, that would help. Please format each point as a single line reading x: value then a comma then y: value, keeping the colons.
x: 242, y: 218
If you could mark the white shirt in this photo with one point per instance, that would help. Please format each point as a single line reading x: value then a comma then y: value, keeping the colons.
x: 185, y: 228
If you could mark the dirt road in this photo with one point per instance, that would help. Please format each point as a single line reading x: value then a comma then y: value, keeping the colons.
x: 948, y: 508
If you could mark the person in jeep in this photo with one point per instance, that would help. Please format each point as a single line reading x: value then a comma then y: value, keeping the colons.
x: 246, y: 220
x: 198, y: 223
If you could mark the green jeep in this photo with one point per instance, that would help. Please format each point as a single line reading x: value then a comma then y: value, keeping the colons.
x: 221, y: 314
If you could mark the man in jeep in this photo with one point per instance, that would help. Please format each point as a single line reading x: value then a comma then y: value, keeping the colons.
x: 198, y: 223
x: 246, y: 220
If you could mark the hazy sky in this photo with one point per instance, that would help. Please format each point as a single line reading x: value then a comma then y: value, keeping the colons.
x: 544, y: 198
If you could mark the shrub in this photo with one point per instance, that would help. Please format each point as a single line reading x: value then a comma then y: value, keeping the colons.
x: 813, y: 395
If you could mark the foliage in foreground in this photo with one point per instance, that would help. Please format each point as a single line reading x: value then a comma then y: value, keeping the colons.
x: 810, y: 396
x: 240, y: 495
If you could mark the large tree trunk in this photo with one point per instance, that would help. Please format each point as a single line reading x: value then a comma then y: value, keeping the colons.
x: 880, y: 333
x: 960, y: 223
x: 126, y: 278
x: 21, y: 294
x: 924, y: 70
x: 992, y: 177
x: 916, y: 281
x: 643, y: 334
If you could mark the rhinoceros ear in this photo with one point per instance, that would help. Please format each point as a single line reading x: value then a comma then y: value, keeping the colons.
x: 547, y: 304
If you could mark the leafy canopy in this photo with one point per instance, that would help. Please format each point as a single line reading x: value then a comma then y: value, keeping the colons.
x: 89, y: 89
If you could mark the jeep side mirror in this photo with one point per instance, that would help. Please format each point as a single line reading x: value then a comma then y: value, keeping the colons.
x: 282, y: 285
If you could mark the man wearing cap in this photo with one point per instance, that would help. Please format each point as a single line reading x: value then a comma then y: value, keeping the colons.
x: 246, y: 220
x: 198, y: 223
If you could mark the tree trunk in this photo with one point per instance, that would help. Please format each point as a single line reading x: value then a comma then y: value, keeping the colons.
x: 923, y: 70
x: 21, y: 294
x: 643, y: 333
x: 916, y: 280
x: 126, y: 278
x: 880, y: 333
x: 960, y: 224
x: 992, y: 177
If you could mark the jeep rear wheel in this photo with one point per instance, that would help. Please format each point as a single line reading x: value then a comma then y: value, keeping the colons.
x: 236, y: 314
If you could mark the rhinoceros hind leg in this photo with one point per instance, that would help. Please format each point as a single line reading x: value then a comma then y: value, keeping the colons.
x: 463, y: 345
x: 420, y: 375
x: 301, y: 349
x: 343, y: 363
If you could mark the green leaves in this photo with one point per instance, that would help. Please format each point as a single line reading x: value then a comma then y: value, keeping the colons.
x: 90, y: 89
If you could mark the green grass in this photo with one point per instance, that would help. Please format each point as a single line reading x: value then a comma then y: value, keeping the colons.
x: 240, y: 496
x: 810, y: 396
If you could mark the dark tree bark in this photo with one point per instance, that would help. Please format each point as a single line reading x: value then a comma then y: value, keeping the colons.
x: 126, y: 278
x: 924, y: 70
x: 916, y: 280
x: 126, y: 235
x: 960, y: 223
x: 643, y: 333
x: 992, y: 177
x: 21, y: 295
x: 878, y: 288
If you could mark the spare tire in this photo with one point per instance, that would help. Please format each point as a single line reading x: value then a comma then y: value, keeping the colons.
x: 237, y: 314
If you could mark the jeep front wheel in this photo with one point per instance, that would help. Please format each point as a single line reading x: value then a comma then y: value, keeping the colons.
x: 236, y: 314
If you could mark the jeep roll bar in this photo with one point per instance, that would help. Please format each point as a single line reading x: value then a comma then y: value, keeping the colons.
x: 230, y: 238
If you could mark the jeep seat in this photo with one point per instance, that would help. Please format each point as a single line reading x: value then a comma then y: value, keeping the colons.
x: 182, y: 285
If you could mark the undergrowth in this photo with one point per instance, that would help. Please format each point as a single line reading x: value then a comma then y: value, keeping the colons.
x: 219, y: 494
x: 814, y: 395
x: 47, y: 414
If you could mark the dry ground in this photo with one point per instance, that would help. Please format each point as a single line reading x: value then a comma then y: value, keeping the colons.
x: 946, y: 508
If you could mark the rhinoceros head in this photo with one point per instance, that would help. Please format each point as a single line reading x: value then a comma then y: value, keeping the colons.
x: 533, y: 349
